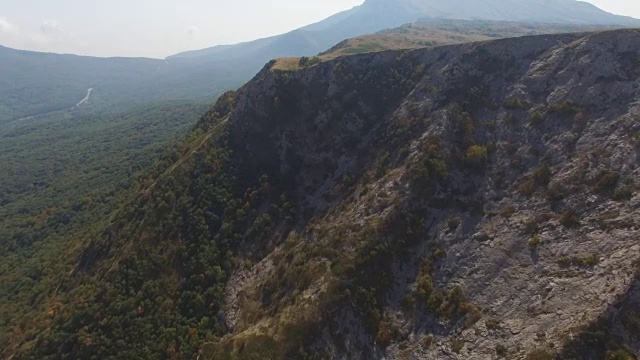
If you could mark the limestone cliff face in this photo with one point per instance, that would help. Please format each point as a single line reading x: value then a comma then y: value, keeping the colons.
x: 461, y: 202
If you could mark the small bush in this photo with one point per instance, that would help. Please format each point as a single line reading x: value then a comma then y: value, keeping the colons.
x: 590, y: 260
x: 501, y: 350
x: 472, y: 318
x: 428, y: 169
x: 570, y: 219
x: 509, y: 119
x: 587, y: 261
x: 457, y: 345
x: 308, y: 61
x: 565, y: 108
x: 508, y: 211
x: 515, y: 103
x: 536, y: 118
x: 606, y: 181
x: 517, y: 162
x: 408, y: 302
x: 527, y: 186
x: 387, y: 333
x: 439, y: 253
x: 453, y: 223
x: 540, y: 178
x: 456, y: 306
x: 542, y: 175
x: 493, y: 324
x: 555, y: 192
x: 623, y: 193
x: 476, y: 155
x: 382, y: 162
x: 534, y: 242
x: 539, y: 354
x: 620, y: 354
x: 533, y: 226
x: 383, y: 338
x: 427, y: 341
x: 428, y: 294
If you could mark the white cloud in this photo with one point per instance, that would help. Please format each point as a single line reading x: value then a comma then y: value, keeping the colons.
x: 7, y: 27
x: 193, y: 30
x: 50, y: 26
x: 39, y: 38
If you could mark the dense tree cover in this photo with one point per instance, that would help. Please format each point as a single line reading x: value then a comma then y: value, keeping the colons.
x: 35, y: 83
x: 145, y: 280
x: 137, y: 306
x: 66, y: 168
x: 63, y: 174
x: 72, y: 160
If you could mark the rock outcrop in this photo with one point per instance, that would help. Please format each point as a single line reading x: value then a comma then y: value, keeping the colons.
x: 461, y: 202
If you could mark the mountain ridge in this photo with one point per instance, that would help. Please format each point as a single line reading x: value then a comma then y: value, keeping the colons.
x: 462, y: 201
x: 59, y: 81
x: 375, y: 15
x: 547, y: 65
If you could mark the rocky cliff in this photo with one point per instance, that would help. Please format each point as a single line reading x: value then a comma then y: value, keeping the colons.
x: 469, y: 201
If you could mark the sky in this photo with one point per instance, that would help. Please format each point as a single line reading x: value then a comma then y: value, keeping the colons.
x: 159, y: 28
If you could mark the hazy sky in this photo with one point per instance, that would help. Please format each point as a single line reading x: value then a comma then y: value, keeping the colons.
x: 158, y: 28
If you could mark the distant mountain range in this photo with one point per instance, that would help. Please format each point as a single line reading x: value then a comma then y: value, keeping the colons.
x: 375, y: 15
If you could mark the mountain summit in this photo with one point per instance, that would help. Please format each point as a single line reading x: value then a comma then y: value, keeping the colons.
x: 554, y: 11
x: 375, y: 15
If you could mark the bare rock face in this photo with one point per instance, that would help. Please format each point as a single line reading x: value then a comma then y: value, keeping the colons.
x: 474, y: 201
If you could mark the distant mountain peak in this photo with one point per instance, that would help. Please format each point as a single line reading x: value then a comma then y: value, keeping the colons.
x: 376, y: 15
x: 556, y: 11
